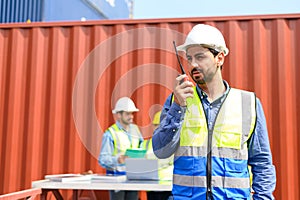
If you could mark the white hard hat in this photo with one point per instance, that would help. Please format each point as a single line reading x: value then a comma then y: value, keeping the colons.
x: 206, y: 35
x: 124, y: 104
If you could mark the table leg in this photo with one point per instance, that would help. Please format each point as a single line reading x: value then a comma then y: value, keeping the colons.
x: 57, y: 194
x: 75, y: 194
x: 44, y: 194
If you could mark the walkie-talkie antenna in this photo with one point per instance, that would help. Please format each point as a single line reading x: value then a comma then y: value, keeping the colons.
x: 181, y: 67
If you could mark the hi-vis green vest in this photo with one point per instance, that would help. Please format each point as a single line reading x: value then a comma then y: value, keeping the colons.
x: 165, y: 166
x: 122, y: 142
x: 212, y: 163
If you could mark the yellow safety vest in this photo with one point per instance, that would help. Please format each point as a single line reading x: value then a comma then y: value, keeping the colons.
x: 122, y: 142
x: 207, y: 158
x: 121, y: 139
x: 165, y: 171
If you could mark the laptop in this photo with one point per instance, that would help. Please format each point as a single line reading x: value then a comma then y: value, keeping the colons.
x: 141, y: 169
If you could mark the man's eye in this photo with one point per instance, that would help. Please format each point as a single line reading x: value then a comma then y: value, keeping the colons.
x: 199, y: 57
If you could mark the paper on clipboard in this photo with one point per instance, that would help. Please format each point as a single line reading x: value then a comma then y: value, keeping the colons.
x: 136, y: 153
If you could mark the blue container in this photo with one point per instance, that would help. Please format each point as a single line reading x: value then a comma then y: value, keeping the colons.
x: 20, y: 10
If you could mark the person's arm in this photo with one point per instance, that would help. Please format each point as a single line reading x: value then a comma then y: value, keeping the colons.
x: 260, y: 159
x: 165, y: 139
x: 106, y: 158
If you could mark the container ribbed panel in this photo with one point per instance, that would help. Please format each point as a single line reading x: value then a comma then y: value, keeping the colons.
x: 60, y: 81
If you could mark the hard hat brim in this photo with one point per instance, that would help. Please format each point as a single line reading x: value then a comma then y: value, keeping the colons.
x: 134, y: 110
x: 184, y: 47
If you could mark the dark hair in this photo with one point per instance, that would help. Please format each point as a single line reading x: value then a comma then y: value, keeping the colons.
x: 215, y: 53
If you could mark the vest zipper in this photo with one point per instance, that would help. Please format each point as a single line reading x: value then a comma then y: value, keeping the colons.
x: 208, y: 164
x: 209, y: 195
x: 208, y: 167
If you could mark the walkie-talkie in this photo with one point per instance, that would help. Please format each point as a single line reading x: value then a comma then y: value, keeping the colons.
x: 179, y: 62
x: 181, y: 67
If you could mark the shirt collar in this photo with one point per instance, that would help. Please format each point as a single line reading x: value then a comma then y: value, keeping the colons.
x: 203, y: 95
x: 120, y: 126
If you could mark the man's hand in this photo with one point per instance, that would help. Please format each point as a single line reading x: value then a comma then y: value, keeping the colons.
x: 121, y: 159
x: 183, y: 90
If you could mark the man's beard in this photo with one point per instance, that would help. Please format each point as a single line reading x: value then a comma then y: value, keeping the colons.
x: 198, y: 81
x: 126, y: 122
x: 205, y: 79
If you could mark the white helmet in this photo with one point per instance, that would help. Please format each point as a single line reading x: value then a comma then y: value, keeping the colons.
x: 206, y: 35
x: 124, y: 104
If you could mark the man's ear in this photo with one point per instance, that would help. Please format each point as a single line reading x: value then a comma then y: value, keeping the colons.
x: 220, y: 59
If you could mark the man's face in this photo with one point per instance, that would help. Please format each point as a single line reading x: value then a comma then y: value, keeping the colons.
x: 202, y: 64
x: 126, y: 117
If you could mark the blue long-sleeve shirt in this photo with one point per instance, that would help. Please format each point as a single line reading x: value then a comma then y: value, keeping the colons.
x: 166, y: 138
x: 106, y: 158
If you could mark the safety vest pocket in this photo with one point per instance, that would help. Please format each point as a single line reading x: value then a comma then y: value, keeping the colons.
x: 236, y: 180
x: 229, y: 139
x: 184, y: 164
x: 183, y: 181
x: 182, y: 191
x: 238, y: 193
x: 193, y: 132
x: 235, y: 165
x: 194, y: 122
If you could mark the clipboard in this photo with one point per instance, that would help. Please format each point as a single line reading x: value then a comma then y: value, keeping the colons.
x: 136, y: 153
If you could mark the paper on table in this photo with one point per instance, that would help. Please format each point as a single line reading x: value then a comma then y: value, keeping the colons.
x: 68, y: 177
x: 107, y: 178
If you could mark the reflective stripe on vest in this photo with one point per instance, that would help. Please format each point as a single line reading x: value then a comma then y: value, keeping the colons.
x: 217, y: 181
x: 147, y: 144
x: 233, y: 127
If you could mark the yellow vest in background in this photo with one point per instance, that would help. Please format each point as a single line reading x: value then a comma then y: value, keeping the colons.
x: 122, y: 141
x: 165, y: 171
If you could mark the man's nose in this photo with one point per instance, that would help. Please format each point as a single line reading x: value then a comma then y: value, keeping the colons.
x: 194, y: 64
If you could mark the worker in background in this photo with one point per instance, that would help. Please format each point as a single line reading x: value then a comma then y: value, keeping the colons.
x: 165, y: 165
x: 116, y: 139
x: 213, y: 130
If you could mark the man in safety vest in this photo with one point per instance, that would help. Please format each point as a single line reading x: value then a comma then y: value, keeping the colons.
x: 213, y: 130
x: 165, y: 165
x: 116, y: 140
